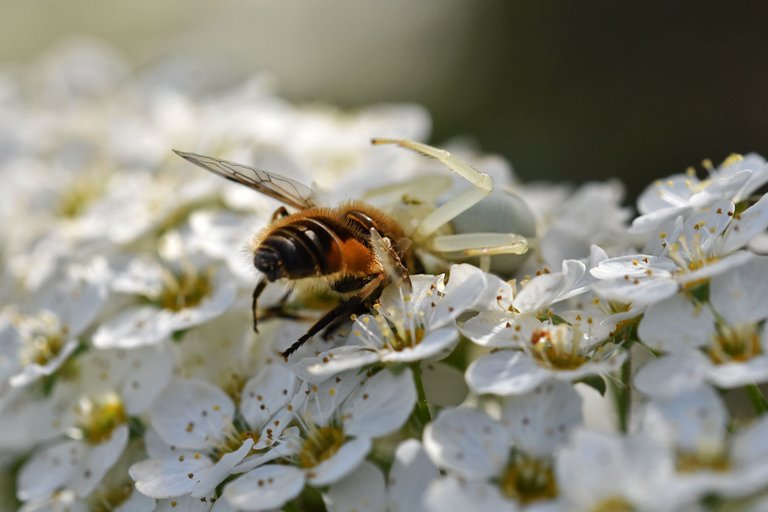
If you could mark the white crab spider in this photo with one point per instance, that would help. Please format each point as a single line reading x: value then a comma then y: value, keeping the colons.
x: 425, y: 232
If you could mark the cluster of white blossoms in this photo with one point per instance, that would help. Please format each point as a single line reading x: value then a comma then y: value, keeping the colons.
x: 616, y: 366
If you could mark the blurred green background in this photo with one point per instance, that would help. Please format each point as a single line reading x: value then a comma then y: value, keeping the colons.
x: 564, y: 90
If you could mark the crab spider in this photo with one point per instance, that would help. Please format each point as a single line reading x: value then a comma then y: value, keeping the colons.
x: 425, y: 233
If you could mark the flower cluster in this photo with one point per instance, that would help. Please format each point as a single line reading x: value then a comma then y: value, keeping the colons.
x: 611, y: 367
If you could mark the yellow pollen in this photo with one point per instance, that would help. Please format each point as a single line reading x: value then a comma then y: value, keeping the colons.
x: 691, y: 462
x: 100, y: 416
x: 557, y: 347
x: 185, y: 289
x: 614, y: 504
x: 735, y: 343
x: 320, y: 445
x: 528, y: 480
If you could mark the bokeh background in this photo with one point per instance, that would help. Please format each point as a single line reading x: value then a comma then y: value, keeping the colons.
x: 565, y: 90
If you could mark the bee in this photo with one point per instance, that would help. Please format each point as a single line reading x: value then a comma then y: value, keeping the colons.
x: 353, y: 250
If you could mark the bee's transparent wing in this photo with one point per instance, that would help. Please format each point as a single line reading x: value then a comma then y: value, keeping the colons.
x: 283, y: 189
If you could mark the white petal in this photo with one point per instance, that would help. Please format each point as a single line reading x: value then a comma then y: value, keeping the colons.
x: 672, y: 374
x: 411, y: 474
x: 134, y: 327
x: 676, y: 325
x: 207, y: 479
x: 343, y: 462
x: 265, y: 488
x: 450, y: 494
x: 444, y: 385
x: 192, y: 414
x: 137, y: 502
x: 466, y: 286
x: 468, y: 442
x: 266, y: 393
x: 380, y: 405
x: 634, y: 266
x: 752, y: 221
x: 504, y: 373
x: 740, y: 297
x: 168, y: 478
x: 491, y: 329
x: 318, y: 368
x: 31, y: 372
x: 362, y: 491
x: 441, y: 341
x: 638, y: 292
x: 49, y: 469
x: 540, y: 421
x: 98, y: 460
x: 691, y: 421
x: 150, y: 372
x: 185, y: 504
x: 733, y: 375
x: 543, y: 290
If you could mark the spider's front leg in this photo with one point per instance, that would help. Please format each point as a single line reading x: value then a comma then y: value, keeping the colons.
x: 483, y: 245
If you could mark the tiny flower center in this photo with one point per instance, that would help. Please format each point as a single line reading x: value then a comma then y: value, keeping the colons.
x: 528, y: 479
x: 614, y: 504
x: 100, y: 416
x: 691, y: 462
x: 233, y: 442
x: 185, y: 289
x: 45, y: 340
x: 400, y: 332
x: 321, y: 444
x: 79, y: 196
x: 557, y: 347
x: 111, y: 498
x: 735, y: 343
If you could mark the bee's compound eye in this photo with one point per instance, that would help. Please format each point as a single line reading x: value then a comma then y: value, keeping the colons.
x: 267, y: 260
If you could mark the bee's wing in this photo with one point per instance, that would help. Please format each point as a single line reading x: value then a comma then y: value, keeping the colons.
x: 283, y: 189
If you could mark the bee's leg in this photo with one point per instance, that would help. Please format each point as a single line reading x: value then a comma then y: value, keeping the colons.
x: 331, y: 328
x: 256, y: 292
x: 343, y: 309
x: 280, y: 213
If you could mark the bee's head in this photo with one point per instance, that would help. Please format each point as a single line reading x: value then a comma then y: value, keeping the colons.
x: 268, y: 261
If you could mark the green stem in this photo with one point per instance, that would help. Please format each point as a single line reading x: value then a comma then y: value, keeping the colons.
x: 759, y: 401
x: 422, y: 406
x: 623, y: 395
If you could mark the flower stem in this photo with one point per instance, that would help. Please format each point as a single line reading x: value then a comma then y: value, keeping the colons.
x: 422, y: 406
x: 623, y: 395
x: 759, y: 401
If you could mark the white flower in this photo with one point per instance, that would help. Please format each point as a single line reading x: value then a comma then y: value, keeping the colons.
x: 210, y: 439
x: 412, y: 471
x: 406, y: 327
x: 36, y: 344
x: 179, y: 297
x: 722, y: 342
x: 362, y: 491
x: 338, y: 420
x: 709, y: 458
x: 736, y: 178
x: 702, y: 246
x: 606, y: 472
x: 516, y: 452
x: 108, y: 388
x: 568, y: 347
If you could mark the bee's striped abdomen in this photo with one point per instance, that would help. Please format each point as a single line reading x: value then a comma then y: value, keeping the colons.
x: 304, y: 247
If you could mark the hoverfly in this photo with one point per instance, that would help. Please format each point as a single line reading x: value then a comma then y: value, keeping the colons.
x: 353, y: 250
